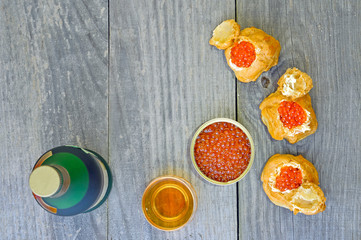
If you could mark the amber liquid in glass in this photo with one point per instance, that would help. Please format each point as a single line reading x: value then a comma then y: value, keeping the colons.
x: 169, y: 203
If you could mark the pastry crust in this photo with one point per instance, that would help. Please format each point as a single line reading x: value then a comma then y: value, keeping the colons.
x: 267, y: 48
x: 294, y: 83
x: 267, y: 53
x: 225, y: 34
x: 295, y: 92
x: 307, y: 198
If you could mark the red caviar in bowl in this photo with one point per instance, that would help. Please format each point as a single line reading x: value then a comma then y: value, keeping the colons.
x: 291, y: 114
x: 222, y: 151
x: 243, y: 54
x: 289, y: 178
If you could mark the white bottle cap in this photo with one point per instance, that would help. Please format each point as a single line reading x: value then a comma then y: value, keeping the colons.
x: 45, y: 181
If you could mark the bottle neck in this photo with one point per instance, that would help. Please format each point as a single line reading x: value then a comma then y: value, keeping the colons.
x: 64, y: 175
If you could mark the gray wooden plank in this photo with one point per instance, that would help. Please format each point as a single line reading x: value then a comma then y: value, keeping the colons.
x: 321, y: 38
x: 54, y: 81
x: 165, y: 80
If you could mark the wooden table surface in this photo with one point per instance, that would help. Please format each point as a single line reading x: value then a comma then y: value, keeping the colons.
x: 132, y: 80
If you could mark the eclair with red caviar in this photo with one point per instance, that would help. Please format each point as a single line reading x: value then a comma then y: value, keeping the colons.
x: 288, y: 112
x: 292, y: 182
x: 249, y: 52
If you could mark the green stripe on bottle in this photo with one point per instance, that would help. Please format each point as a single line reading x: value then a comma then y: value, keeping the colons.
x: 79, y: 180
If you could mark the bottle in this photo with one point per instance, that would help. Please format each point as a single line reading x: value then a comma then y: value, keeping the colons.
x: 69, y: 180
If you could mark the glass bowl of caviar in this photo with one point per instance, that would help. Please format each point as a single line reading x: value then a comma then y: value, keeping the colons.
x: 222, y: 151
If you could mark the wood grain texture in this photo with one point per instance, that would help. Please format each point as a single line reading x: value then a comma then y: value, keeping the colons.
x: 53, y: 78
x: 321, y: 38
x: 165, y: 81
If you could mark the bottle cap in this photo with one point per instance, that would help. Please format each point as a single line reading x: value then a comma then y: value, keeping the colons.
x: 45, y: 181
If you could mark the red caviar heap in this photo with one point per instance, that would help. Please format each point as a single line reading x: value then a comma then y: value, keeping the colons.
x: 289, y: 178
x: 291, y: 114
x: 222, y: 151
x: 243, y: 54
